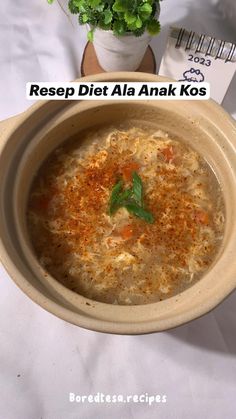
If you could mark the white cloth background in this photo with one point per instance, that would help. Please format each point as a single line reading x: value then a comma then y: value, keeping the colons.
x: 42, y: 358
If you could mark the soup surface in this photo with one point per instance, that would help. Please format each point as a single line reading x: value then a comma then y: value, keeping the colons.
x: 126, y: 215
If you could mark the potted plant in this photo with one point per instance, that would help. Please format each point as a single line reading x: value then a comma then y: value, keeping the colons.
x: 119, y: 29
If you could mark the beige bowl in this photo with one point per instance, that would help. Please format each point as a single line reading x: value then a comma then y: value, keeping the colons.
x: 26, y: 141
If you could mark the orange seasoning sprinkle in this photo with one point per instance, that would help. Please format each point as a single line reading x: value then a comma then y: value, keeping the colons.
x: 128, y: 169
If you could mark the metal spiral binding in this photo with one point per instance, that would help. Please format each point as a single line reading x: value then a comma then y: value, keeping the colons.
x: 220, y: 50
x: 200, y: 43
x: 231, y: 53
x: 190, y: 40
x: 180, y: 38
x: 206, y: 45
x: 210, y: 47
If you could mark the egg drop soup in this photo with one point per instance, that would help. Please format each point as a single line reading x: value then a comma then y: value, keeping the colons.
x: 126, y: 214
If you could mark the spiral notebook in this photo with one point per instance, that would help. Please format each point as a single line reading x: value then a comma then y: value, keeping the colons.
x: 194, y: 57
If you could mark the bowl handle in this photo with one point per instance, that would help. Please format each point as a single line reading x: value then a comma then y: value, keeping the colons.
x: 6, y: 127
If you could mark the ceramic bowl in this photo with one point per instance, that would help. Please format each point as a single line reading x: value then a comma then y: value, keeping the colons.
x: 28, y: 139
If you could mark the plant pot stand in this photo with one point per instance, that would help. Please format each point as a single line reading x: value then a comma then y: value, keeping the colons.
x: 90, y: 64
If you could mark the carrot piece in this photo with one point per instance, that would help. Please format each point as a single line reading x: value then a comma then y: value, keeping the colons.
x: 128, y: 169
x: 127, y: 232
x: 168, y: 154
x: 201, y: 217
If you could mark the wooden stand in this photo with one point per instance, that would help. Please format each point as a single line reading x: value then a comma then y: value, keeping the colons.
x: 90, y: 64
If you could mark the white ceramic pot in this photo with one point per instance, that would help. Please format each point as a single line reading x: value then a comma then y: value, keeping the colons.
x: 119, y: 53
x: 25, y: 143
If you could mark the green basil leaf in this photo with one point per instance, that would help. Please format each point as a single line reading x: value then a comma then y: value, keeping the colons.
x: 140, y: 212
x: 131, y: 199
x: 137, y: 188
x: 124, y: 196
x: 115, y: 196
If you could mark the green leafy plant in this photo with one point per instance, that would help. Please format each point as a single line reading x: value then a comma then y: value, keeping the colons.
x: 120, y: 16
x: 130, y: 198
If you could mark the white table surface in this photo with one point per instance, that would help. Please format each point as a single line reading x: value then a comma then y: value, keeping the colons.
x: 42, y: 358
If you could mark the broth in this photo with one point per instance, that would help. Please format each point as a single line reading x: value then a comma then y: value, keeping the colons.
x: 121, y: 254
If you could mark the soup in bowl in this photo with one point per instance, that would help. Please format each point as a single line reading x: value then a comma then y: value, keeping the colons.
x: 126, y: 214
x: 120, y: 216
